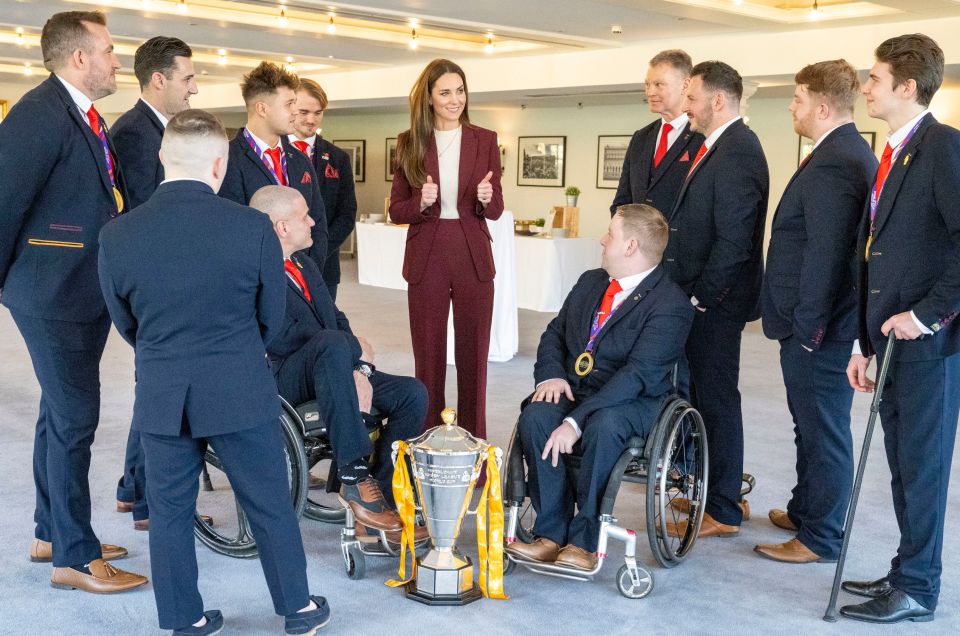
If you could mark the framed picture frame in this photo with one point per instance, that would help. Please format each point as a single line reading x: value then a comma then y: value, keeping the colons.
x: 611, y: 151
x: 541, y: 161
x: 357, y: 149
x: 870, y: 137
x: 389, y: 158
x: 3, y: 109
x: 806, y: 144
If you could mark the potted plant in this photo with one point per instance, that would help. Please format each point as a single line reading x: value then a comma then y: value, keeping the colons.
x: 572, y: 193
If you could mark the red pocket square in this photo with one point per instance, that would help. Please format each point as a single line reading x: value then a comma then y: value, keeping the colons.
x: 331, y: 173
x: 686, y: 156
x: 306, y: 178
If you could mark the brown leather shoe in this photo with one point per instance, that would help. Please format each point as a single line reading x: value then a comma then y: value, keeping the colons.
x: 682, y: 505
x: 709, y: 528
x: 42, y: 551
x: 574, y: 556
x: 542, y: 550
x: 368, y: 505
x: 103, y: 579
x: 316, y: 483
x: 124, y: 506
x: 367, y: 535
x: 790, y: 552
x: 781, y: 519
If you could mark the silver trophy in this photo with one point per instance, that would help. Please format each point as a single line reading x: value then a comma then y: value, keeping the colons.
x: 446, y: 462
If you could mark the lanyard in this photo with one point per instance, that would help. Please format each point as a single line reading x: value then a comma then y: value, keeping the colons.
x: 878, y: 187
x: 102, y: 135
x: 263, y: 158
x: 595, y: 326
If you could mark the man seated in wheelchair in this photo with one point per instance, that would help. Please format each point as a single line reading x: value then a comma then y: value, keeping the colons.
x: 317, y: 356
x: 603, y: 369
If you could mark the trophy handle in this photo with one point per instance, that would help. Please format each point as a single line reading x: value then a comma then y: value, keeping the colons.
x: 498, y: 457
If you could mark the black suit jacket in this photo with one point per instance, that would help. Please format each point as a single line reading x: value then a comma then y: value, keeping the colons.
x: 246, y: 174
x: 196, y: 284
x: 137, y: 135
x: 715, y: 250
x: 640, y: 182
x: 634, y: 353
x: 304, y: 318
x: 808, y: 283
x: 915, y: 254
x: 55, y: 195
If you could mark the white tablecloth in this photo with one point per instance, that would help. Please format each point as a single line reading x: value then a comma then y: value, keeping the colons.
x: 547, y: 269
x: 380, y: 263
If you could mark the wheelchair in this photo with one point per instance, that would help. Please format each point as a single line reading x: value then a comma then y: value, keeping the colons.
x: 306, y: 446
x: 672, y: 464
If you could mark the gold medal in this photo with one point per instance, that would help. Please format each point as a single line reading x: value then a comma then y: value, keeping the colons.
x: 866, y: 252
x: 119, y: 199
x: 584, y: 364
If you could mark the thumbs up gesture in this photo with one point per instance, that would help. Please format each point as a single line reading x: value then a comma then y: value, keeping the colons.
x: 428, y: 193
x: 485, y: 189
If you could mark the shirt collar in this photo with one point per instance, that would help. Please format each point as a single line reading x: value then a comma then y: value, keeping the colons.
x: 827, y: 134
x: 82, y: 101
x: 163, y: 120
x: 677, y: 123
x: 896, y: 138
x: 712, y: 139
x: 311, y: 140
x: 629, y: 283
x: 261, y: 144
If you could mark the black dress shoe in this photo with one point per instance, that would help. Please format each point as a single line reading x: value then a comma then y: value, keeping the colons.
x: 893, y: 607
x: 870, y: 589
x: 214, y: 625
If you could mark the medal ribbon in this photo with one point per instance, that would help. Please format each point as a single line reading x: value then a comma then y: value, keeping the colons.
x: 595, y: 327
x: 878, y: 187
x: 403, y: 496
x: 491, y: 552
x: 97, y: 126
x: 263, y: 158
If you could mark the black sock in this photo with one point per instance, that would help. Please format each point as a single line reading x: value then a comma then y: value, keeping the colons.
x: 353, y: 472
x: 85, y: 568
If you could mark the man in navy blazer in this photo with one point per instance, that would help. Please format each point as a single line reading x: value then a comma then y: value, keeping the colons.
x: 808, y: 306
x: 316, y: 356
x: 909, y: 283
x: 659, y: 155
x: 59, y: 187
x: 715, y: 255
x: 334, y: 175
x: 260, y: 154
x: 194, y: 283
x: 631, y: 320
x: 167, y: 81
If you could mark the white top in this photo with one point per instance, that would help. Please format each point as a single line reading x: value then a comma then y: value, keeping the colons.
x: 674, y: 134
x: 712, y: 139
x: 82, y: 101
x: 163, y: 120
x: 448, y: 154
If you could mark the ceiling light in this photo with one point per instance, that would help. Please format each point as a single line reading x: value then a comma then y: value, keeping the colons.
x: 414, y: 23
x: 26, y: 69
x: 331, y: 28
x: 222, y: 60
x: 182, y: 6
x: 814, y: 11
x: 282, y: 19
x: 20, y: 40
x: 413, y: 40
x: 738, y: 2
x: 488, y: 49
x: 289, y: 59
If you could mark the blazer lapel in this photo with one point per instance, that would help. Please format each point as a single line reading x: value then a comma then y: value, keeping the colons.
x: 252, y: 156
x: 149, y: 114
x: 630, y: 302
x: 468, y: 161
x: 898, y: 171
x: 299, y: 292
x: 96, y: 148
x: 587, y: 312
x: 672, y: 155
x: 644, y: 166
x: 431, y: 164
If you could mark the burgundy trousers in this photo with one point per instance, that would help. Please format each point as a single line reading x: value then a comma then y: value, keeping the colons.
x: 451, y: 276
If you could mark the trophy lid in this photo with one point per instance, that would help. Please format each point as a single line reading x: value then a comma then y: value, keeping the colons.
x: 448, y: 438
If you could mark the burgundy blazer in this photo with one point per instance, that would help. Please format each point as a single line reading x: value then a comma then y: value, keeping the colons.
x: 479, y: 155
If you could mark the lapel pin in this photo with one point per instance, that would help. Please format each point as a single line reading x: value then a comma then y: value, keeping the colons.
x: 906, y: 159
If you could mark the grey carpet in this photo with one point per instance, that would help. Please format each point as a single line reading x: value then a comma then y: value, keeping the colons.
x: 722, y: 588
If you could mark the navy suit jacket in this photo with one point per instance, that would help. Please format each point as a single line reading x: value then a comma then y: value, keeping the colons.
x: 335, y: 179
x: 304, y: 318
x: 640, y: 182
x: 246, y: 174
x: 55, y: 195
x: 196, y: 284
x: 808, y: 283
x: 137, y: 135
x: 715, y: 250
x: 915, y: 254
x: 634, y: 353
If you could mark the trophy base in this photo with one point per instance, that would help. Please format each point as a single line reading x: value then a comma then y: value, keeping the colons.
x: 463, y: 598
x: 443, y: 585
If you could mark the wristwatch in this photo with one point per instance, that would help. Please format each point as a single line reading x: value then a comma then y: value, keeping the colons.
x: 364, y: 368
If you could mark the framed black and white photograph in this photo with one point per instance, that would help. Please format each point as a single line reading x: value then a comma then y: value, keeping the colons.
x: 870, y: 138
x: 541, y: 161
x: 611, y: 151
x: 390, y: 158
x: 357, y: 149
x: 805, y: 148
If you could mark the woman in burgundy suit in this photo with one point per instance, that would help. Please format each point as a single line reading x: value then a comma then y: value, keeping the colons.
x: 446, y: 185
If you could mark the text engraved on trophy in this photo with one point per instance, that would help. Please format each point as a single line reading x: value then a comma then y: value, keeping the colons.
x: 444, y: 476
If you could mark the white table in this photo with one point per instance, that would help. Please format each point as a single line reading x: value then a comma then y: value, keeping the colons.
x: 380, y: 263
x: 547, y: 269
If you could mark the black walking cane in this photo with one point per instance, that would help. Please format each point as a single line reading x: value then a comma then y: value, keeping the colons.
x: 831, y: 614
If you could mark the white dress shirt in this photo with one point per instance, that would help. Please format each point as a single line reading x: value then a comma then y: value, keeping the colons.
x: 262, y: 145
x: 674, y: 134
x: 82, y: 101
x: 163, y: 120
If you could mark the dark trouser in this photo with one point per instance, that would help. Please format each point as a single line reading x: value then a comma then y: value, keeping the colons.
x: 919, y: 417
x: 605, y: 435
x: 711, y: 374
x: 132, y: 484
x: 450, y: 275
x: 254, y: 462
x: 66, y: 360
x: 332, y: 288
x: 323, y: 370
x: 819, y: 397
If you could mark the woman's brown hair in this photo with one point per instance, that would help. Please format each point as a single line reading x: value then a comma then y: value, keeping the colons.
x: 412, y: 145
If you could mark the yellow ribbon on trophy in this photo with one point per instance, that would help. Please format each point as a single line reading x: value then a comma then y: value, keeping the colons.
x: 491, y: 552
x: 403, y: 496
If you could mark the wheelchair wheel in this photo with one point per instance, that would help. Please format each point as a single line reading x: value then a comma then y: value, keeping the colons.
x: 356, y: 563
x: 514, y: 489
x: 627, y: 587
x: 232, y: 535
x: 322, y: 505
x: 677, y: 469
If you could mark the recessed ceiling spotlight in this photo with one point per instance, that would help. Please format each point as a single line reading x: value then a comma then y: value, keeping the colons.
x: 282, y: 18
x: 27, y: 70
x: 814, y: 13
x: 331, y: 28
x: 182, y: 7
x: 488, y: 49
x: 616, y: 29
x: 413, y: 40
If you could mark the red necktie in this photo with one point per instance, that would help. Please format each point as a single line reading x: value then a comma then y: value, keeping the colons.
x: 297, y: 275
x: 94, y: 118
x: 696, y: 160
x: 606, y: 305
x: 302, y: 146
x: 883, y: 170
x: 662, y: 146
x: 274, y: 154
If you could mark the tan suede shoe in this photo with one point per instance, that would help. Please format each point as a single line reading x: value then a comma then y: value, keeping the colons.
x: 573, y: 556
x: 682, y: 505
x: 42, y: 551
x: 790, y: 552
x: 103, y: 579
x: 781, y: 519
x: 709, y: 528
x: 542, y: 550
